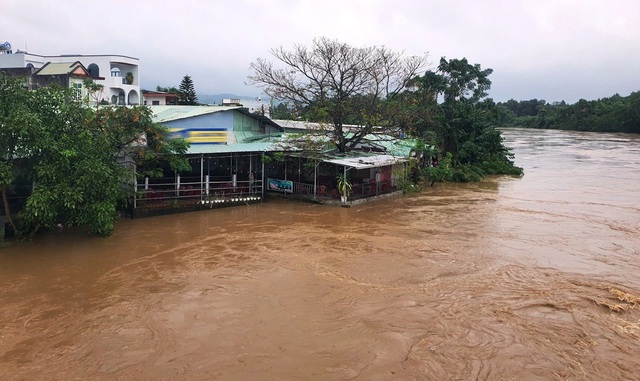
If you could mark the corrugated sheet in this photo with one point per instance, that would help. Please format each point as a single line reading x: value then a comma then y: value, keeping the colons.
x: 57, y: 68
x: 363, y: 162
x: 197, y: 149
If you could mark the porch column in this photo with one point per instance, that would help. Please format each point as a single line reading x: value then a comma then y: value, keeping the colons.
x: 262, y: 188
x: 135, y: 189
x: 315, y: 180
x: 201, y: 175
x: 344, y: 191
x: 251, y: 174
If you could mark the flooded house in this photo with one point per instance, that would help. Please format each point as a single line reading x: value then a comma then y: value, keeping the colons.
x: 239, y: 157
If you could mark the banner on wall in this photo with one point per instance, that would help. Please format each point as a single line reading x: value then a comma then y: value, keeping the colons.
x: 208, y: 135
x: 276, y: 185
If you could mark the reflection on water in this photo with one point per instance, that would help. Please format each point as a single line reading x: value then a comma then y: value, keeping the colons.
x: 510, y: 278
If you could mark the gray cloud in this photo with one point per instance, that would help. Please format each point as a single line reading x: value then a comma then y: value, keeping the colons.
x: 545, y: 49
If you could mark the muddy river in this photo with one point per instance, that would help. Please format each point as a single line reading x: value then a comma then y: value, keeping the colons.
x: 532, y: 278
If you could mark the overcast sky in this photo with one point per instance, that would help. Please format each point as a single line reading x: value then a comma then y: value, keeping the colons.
x: 545, y: 49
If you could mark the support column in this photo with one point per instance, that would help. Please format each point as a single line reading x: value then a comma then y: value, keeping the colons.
x: 263, y: 184
x: 201, y: 175
x: 315, y: 180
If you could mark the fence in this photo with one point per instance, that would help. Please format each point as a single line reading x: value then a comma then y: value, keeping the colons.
x: 154, y: 191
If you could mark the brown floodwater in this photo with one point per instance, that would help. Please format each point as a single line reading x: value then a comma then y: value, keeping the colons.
x: 532, y: 278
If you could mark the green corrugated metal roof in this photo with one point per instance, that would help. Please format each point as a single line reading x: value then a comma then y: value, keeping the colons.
x: 397, y: 147
x: 163, y: 114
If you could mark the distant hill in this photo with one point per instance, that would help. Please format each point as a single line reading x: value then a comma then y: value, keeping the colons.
x: 217, y: 98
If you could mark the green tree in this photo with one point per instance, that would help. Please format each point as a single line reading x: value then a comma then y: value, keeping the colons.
x: 187, y: 92
x: 77, y: 179
x: 172, y: 89
x: 338, y: 84
x: 453, y: 111
x: 281, y: 111
x: 81, y: 160
x: 19, y: 126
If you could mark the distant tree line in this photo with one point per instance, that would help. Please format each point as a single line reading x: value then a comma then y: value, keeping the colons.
x: 612, y: 114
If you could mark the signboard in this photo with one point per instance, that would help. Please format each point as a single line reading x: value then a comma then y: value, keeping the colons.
x: 280, y: 185
x: 212, y: 135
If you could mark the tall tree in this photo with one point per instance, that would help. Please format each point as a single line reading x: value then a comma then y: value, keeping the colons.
x: 187, y: 92
x: 338, y: 84
x: 463, y: 121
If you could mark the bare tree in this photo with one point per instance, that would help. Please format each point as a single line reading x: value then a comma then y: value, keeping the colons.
x: 340, y: 83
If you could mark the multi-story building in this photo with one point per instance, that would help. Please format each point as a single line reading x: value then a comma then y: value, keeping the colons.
x: 119, y: 75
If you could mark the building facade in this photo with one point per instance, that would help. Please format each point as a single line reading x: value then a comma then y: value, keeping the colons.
x: 159, y: 98
x: 119, y: 75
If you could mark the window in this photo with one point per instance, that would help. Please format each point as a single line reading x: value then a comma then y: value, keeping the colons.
x: 94, y: 70
x: 155, y: 103
x: 77, y: 91
x: 115, y: 72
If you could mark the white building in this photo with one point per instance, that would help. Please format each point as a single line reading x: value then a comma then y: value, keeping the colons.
x: 256, y: 105
x: 120, y: 75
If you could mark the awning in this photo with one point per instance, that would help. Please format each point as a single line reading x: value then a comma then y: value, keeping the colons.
x: 363, y: 162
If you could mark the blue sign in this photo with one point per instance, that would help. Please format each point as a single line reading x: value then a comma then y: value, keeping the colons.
x: 276, y: 185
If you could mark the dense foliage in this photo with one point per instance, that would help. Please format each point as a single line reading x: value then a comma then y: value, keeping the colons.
x: 613, y: 114
x: 447, y: 108
x: 81, y: 160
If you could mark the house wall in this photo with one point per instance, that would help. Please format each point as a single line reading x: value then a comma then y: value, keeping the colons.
x: 225, y: 127
x: 48, y: 80
x: 213, y: 128
x: 150, y: 99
